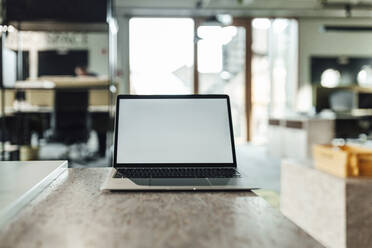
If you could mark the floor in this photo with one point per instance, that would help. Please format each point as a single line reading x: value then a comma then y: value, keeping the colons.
x: 262, y: 168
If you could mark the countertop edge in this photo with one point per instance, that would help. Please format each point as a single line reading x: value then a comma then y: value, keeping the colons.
x: 8, y: 213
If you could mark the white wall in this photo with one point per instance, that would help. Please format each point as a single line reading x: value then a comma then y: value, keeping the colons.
x: 314, y: 41
x: 123, y: 54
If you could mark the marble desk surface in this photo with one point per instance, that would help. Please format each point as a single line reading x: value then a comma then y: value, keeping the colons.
x: 73, y: 212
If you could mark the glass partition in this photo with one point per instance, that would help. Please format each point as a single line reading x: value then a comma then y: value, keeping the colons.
x: 221, y: 68
x: 57, y: 98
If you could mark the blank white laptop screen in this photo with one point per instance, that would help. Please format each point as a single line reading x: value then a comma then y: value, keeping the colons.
x: 173, y: 130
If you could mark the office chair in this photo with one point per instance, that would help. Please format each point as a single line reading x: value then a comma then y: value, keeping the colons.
x: 70, y: 119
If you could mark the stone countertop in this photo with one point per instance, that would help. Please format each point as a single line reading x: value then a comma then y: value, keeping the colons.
x: 73, y: 212
x: 336, y: 211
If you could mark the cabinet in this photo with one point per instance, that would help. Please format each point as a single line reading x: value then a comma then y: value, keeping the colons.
x: 294, y: 138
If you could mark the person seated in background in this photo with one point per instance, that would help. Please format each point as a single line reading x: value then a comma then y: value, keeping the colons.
x: 81, y: 70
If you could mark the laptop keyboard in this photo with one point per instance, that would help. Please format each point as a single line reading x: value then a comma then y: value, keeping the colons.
x: 176, y: 173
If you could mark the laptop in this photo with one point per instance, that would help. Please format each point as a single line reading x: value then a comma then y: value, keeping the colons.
x: 174, y: 142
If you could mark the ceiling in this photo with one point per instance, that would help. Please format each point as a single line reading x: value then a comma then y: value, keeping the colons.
x: 288, y: 8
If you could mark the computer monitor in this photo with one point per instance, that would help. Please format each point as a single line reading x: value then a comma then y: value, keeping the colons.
x: 54, y: 62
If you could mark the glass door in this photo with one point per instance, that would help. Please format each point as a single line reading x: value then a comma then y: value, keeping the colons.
x: 274, y: 72
x: 221, y: 53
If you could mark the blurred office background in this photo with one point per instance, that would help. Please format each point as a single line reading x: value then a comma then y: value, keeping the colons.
x: 298, y: 72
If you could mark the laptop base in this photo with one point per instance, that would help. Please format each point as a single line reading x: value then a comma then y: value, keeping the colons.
x: 170, y: 184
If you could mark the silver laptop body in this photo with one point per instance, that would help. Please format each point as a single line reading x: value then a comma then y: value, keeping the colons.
x: 177, y: 134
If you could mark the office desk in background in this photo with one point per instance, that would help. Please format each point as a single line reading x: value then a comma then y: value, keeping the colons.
x: 21, y: 123
x: 34, y: 114
x: 73, y: 212
x: 40, y: 92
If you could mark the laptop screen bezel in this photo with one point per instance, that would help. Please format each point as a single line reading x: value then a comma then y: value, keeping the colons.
x: 219, y: 96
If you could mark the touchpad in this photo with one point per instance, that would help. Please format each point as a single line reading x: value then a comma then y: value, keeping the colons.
x: 179, y: 182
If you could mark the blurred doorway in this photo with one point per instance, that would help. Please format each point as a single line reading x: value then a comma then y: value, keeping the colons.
x: 185, y: 56
x: 161, y: 55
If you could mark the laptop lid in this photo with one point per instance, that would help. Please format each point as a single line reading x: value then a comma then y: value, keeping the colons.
x: 173, y: 130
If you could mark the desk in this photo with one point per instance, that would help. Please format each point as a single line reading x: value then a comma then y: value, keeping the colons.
x: 41, y: 93
x: 73, y: 212
x: 37, y: 119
